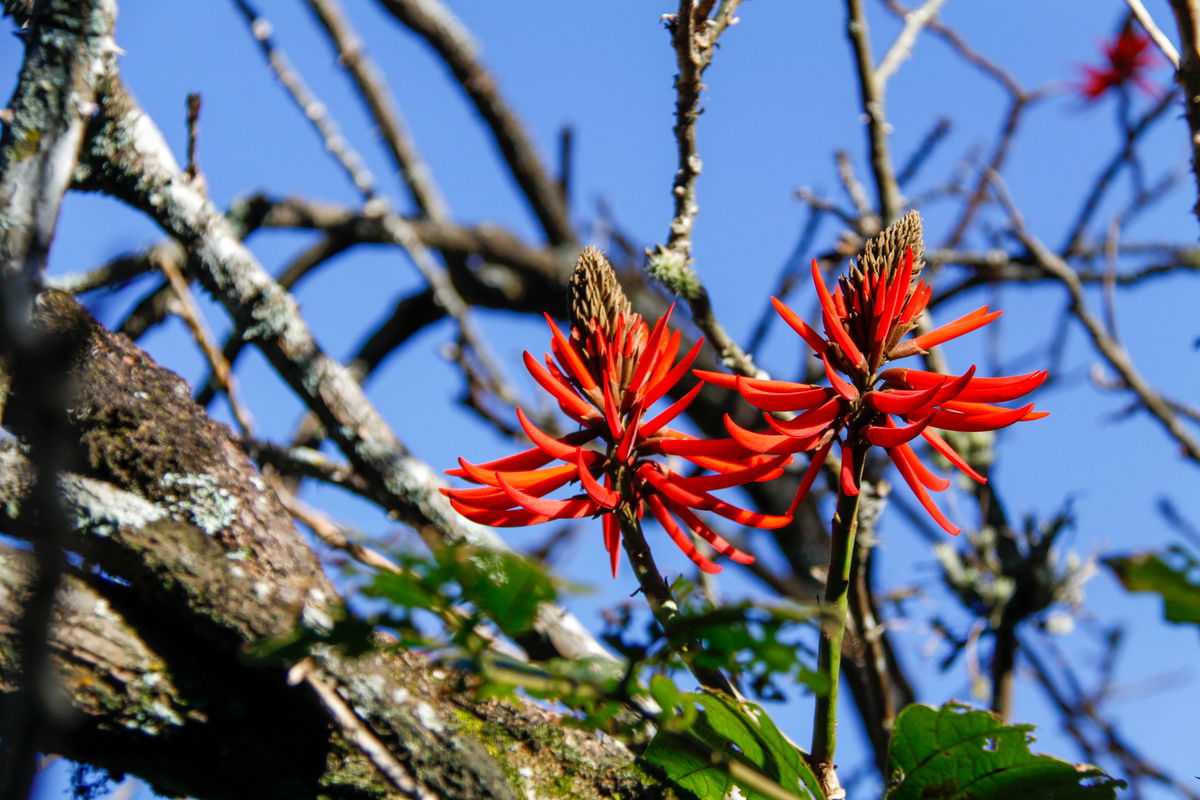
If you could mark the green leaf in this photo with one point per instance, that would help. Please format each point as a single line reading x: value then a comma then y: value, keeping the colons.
x: 954, y: 753
x: 506, y: 587
x: 729, y: 744
x: 1173, y: 577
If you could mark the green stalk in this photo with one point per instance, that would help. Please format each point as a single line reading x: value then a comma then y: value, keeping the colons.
x: 660, y: 599
x: 833, y: 629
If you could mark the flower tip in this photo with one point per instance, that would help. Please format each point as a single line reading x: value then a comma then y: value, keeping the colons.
x: 741, y: 558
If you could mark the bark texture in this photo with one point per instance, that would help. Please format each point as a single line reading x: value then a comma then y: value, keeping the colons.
x: 156, y: 669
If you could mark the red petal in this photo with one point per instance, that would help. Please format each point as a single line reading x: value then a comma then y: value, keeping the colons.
x: 630, y: 438
x: 914, y: 483
x: 810, y: 475
x: 672, y: 411
x: 526, y: 459
x: 916, y: 302
x: 849, y: 487
x: 927, y: 478
x: 951, y: 420
x: 559, y: 449
x: 795, y: 397
x: 568, y: 357
x: 722, y: 379
x: 709, y: 535
x: 611, y: 414
x: 811, y: 337
x: 811, y: 422
x: 680, y: 538
x: 570, y: 402
x: 767, y: 443
x: 840, y: 386
x: 690, y: 446
x: 533, y: 480
x: 711, y: 483
x: 832, y: 323
x: 960, y: 326
x: 901, y: 401
x: 516, y: 518
x: 651, y: 353
x: 612, y: 540
x: 942, y: 446
x: 673, y: 377
x: 601, y: 494
x: 889, y: 435
x: 706, y: 502
x: 571, y: 508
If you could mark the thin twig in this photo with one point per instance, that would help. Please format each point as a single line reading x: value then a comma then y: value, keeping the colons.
x: 435, y: 23
x: 914, y: 21
x: 1112, y: 352
x: 871, y: 94
x: 312, y: 108
x: 185, y: 306
x: 373, y: 91
x: 1156, y: 34
x: 357, y: 732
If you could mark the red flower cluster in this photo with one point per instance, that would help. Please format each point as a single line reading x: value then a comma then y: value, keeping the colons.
x: 606, y: 381
x: 864, y: 320
x: 1129, y: 55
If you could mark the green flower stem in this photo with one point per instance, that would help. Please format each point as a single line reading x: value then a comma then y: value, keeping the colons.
x: 660, y: 599
x: 833, y: 630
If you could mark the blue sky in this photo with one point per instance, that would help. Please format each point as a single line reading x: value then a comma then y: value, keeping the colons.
x: 781, y: 100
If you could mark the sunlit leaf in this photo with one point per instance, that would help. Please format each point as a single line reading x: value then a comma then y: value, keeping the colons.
x: 1174, y: 577
x: 954, y: 753
x: 698, y: 754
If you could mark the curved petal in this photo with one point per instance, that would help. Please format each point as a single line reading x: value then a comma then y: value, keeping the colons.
x: 849, y: 486
x: 833, y: 323
x: 723, y: 379
x: 767, y: 470
x: 706, y: 502
x: 555, y: 447
x: 810, y: 475
x: 810, y: 423
x: 903, y: 401
x: 570, y: 402
x: 889, y: 435
x: 571, y: 508
x: 810, y: 337
x: 599, y: 493
x: 951, y: 420
x: 976, y: 319
x: 648, y: 429
x: 568, y: 357
x: 514, y: 518
x: 942, y: 446
x: 612, y: 540
x: 914, y: 483
x: 839, y: 385
x: 709, y: 535
x: 539, y: 481
x: 526, y: 459
x: 927, y: 478
x: 651, y: 353
x: 664, y: 384
x: 768, y: 443
x: 680, y: 538
x: 797, y: 397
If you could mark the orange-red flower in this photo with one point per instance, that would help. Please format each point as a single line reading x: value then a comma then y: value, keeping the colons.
x: 607, y: 381
x: 865, y: 320
x: 1129, y: 56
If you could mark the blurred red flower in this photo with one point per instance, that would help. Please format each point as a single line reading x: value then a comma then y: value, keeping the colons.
x: 606, y: 381
x: 1129, y: 56
x: 865, y: 319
